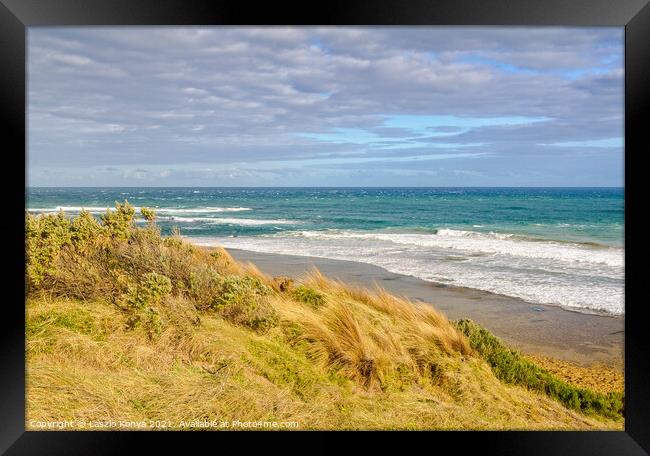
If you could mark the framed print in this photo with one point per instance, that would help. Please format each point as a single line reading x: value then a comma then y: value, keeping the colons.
x: 359, y: 217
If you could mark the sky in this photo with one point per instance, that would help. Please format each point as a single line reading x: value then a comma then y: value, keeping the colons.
x: 332, y: 106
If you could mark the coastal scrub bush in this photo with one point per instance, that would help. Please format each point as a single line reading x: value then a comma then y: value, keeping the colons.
x: 509, y: 367
x: 119, y: 222
x: 82, y: 275
x: 148, y: 214
x: 143, y: 300
x: 80, y: 256
x: 204, y: 286
x: 309, y: 296
x: 149, y: 291
x: 84, y: 231
x: 241, y: 300
x: 45, y: 236
x: 174, y: 240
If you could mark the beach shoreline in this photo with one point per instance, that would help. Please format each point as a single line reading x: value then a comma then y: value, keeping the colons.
x: 584, y: 339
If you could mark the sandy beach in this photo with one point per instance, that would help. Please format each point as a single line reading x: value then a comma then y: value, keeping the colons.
x: 584, y: 339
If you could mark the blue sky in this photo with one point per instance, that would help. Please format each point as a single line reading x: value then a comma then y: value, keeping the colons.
x: 332, y: 106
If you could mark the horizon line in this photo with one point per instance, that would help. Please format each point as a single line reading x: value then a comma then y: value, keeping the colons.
x: 328, y: 186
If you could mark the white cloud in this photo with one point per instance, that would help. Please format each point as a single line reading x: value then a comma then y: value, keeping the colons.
x: 169, y: 96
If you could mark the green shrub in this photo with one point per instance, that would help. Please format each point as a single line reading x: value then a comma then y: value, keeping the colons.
x: 173, y: 242
x: 509, y: 367
x: 45, y: 236
x: 142, y: 301
x: 204, y: 286
x: 148, y: 214
x: 149, y: 291
x: 309, y: 296
x: 82, y: 276
x: 241, y: 300
x: 84, y: 231
x: 143, y: 250
x: 235, y: 288
x: 119, y: 222
x: 136, y: 268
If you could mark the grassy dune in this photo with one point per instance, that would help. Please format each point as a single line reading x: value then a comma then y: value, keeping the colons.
x: 125, y: 325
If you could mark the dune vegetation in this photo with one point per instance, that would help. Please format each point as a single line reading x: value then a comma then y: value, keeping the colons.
x: 124, y: 324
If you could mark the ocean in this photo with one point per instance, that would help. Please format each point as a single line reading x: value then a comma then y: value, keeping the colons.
x: 557, y: 246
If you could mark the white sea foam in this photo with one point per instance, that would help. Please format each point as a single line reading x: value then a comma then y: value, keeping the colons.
x: 228, y: 221
x: 485, y: 243
x: 201, y: 210
x: 251, y: 222
x: 577, y: 276
x: 164, y: 210
x: 70, y: 209
x: 185, y: 219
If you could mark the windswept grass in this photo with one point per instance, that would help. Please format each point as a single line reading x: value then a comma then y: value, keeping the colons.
x: 124, y: 324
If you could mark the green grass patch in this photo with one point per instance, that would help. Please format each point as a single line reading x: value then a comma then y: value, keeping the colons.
x: 285, y: 367
x: 509, y: 367
x: 309, y: 296
x: 75, y: 319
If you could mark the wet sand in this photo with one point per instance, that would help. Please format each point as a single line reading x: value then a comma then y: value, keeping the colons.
x: 580, y: 338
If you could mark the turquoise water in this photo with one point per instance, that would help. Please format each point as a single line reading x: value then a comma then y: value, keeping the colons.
x: 560, y: 246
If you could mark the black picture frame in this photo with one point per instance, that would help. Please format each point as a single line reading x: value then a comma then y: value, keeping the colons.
x: 17, y: 15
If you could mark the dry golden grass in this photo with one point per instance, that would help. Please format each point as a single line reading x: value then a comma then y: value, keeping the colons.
x: 108, y: 341
x: 82, y: 364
